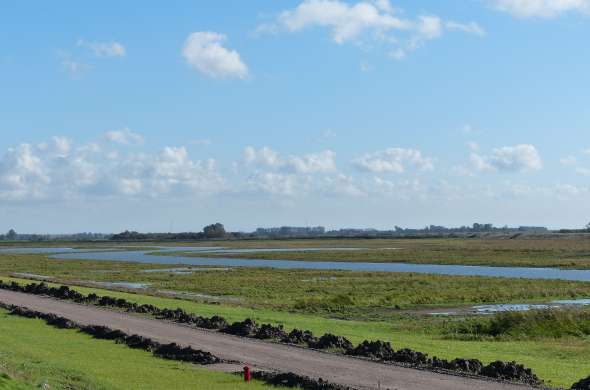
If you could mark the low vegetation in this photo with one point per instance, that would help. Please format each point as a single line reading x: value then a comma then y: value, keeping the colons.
x: 7, y: 383
x: 534, y: 324
x: 37, y: 354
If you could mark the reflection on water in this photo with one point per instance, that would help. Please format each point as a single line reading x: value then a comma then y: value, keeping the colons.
x: 186, y: 270
x: 510, y: 307
x: 129, y: 285
x: 27, y: 275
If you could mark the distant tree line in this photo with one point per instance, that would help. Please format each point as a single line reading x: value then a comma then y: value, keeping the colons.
x: 217, y: 231
x: 214, y: 231
x: 12, y: 235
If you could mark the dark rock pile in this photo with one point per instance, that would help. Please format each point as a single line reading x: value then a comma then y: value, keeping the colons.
x: 297, y: 336
x: 246, y: 328
x: 166, y: 351
x: 409, y: 356
x: 330, y: 341
x: 186, y: 354
x: 510, y: 371
x: 376, y: 350
x: 293, y: 380
x: 582, y: 384
x: 270, y: 332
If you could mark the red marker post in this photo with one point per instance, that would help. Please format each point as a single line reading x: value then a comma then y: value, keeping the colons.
x: 247, y: 375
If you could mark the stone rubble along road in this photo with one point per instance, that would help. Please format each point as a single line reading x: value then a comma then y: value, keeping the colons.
x: 356, y: 373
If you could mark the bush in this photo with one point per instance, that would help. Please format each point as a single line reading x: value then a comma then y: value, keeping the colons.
x: 549, y: 323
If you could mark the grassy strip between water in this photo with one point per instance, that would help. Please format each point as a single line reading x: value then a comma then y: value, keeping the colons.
x: 35, y: 354
x: 559, y: 362
x: 340, y: 294
x: 565, y: 252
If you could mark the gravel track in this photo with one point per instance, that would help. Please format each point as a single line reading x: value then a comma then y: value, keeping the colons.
x: 261, y: 355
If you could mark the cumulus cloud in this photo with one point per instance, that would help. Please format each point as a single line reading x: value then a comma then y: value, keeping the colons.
x: 59, y: 170
x: 519, y: 158
x: 374, y: 21
x: 74, y: 67
x: 346, y: 22
x: 104, y: 49
x: 341, y: 185
x: 205, y: 52
x: 265, y: 157
x: 541, y: 8
x: 124, y: 137
x: 274, y: 183
x: 470, y: 28
x: 395, y: 160
x: 568, y: 160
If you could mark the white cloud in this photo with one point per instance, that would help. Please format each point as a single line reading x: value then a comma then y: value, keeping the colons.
x: 374, y: 21
x: 312, y: 163
x: 346, y: 22
x: 396, y: 160
x: 58, y: 170
x: 569, y: 160
x: 398, y: 54
x: 104, y: 49
x: 201, y: 142
x: 205, y: 52
x: 430, y: 27
x: 274, y: 183
x: 339, y: 185
x: 124, y: 137
x: 62, y: 145
x: 384, y: 5
x: 75, y: 68
x: 473, y: 146
x: 519, y: 158
x: 265, y: 157
x: 470, y: 28
x: 541, y: 8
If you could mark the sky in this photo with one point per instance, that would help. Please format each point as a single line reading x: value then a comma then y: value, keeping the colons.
x: 361, y: 113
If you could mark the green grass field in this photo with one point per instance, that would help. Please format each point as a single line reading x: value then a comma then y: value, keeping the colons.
x: 559, y: 361
x: 34, y: 354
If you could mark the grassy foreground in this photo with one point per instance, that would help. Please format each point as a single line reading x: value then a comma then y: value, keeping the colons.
x: 36, y: 353
x: 558, y: 361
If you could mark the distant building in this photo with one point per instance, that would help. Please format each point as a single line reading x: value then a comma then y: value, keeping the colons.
x: 290, y: 231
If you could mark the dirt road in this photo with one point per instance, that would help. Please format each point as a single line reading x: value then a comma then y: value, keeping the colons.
x: 263, y: 355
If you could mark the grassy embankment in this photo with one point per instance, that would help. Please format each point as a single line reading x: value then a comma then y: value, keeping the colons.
x: 566, y: 252
x: 560, y: 361
x: 34, y: 353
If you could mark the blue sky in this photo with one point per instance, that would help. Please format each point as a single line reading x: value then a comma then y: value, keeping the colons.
x: 357, y: 113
